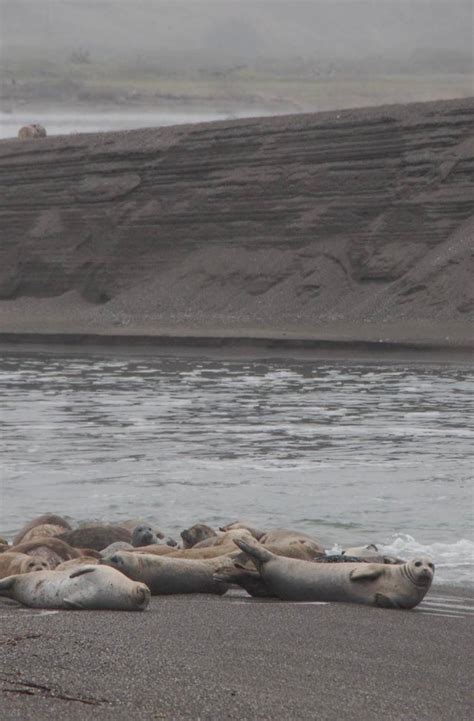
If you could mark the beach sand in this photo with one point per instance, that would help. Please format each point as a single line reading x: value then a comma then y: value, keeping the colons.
x: 205, y: 657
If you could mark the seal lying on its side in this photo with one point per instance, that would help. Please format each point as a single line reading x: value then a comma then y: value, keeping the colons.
x: 389, y: 586
x: 87, y: 587
x: 165, y: 575
x: 46, y: 518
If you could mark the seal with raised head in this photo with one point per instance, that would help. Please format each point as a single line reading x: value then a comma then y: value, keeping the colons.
x: 377, y: 584
x: 16, y: 563
x: 86, y: 587
x: 165, y: 575
x: 196, y: 534
x: 47, y: 518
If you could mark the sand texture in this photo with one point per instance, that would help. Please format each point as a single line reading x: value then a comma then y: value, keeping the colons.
x: 354, y: 225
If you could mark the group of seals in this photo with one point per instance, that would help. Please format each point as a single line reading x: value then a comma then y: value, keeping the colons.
x: 52, y: 565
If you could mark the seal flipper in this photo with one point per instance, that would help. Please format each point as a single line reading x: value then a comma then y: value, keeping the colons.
x: 80, y: 571
x: 369, y: 572
x: 6, y: 584
x: 384, y: 601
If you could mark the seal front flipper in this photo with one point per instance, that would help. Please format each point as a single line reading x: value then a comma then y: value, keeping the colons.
x: 81, y: 571
x: 368, y: 572
x: 384, y: 601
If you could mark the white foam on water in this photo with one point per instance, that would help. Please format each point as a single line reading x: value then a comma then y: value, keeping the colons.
x: 454, y: 562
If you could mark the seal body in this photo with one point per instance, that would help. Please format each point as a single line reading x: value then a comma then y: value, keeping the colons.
x: 50, y: 549
x: 164, y: 575
x: 285, y: 535
x: 34, y: 130
x: 46, y: 518
x: 95, y: 537
x: 87, y: 587
x: 392, y: 586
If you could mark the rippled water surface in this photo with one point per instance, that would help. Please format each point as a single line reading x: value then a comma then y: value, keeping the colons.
x: 350, y: 452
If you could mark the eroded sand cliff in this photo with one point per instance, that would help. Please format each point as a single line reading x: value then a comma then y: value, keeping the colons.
x: 352, y: 225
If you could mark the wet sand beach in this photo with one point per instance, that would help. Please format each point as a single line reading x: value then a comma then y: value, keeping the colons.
x: 205, y: 657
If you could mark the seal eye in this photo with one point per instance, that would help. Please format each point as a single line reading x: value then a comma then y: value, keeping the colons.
x: 430, y: 565
x: 418, y: 564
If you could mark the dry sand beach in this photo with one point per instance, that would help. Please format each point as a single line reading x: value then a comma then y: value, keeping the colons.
x: 211, y: 658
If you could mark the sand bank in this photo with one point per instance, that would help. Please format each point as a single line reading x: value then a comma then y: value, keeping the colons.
x: 350, y: 226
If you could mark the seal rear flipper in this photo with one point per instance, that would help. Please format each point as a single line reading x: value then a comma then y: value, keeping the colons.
x: 81, y: 571
x: 384, y: 601
x: 369, y: 572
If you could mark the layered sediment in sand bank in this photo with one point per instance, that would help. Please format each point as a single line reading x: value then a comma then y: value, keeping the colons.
x: 355, y: 225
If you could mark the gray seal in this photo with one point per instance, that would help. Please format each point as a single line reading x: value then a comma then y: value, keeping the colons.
x: 87, y: 587
x: 165, y: 575
x: 377, y: 584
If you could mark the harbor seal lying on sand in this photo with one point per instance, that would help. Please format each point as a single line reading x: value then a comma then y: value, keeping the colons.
x: 87, y: 587
x: 239, y: 525
x: 284, y: 535
x: 223, y: 539
x: 45, y: 530
x: 34, y: 130
x: 46, y: 518
x: 96, y: 537
x: 195, y: 534
x: 165, y: 575
x: 16, y: 563
x: 76, y: 562
x: 388, y: 586
x: 51, y: 550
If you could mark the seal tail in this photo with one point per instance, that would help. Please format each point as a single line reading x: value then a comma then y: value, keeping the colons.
x: 255, y: 550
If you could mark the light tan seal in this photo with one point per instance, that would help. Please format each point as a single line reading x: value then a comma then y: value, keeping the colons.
x: 76, y: 562
x: 34, y: 130
x: 87, y: 587
x: 223, y: 539
x: 45, y: 530
x: 285, y: 535
x: 51, y: 550
x: 16, y: 563
x: 239, y: 525
x: 164, y: 575
x: 48, y: 518
x: 376, y: 584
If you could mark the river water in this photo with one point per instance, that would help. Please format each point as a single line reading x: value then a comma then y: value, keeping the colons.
x: 65, y: 122
x: 350, y: 452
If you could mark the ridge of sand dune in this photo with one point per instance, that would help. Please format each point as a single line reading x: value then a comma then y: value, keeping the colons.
x: 355, y: 224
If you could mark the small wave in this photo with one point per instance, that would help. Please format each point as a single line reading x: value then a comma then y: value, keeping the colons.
x: 454, y: 562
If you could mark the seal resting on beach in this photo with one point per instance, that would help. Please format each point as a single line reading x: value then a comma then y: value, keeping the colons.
x: 51, y: 550
x: 238, y: 525
x: 370, y: 553
x: 34, y: 130
x: 285, y: 535
x: 223, y: 539
x: 377, y: 584
x: 165, y: 575
x: 87, y: 587
x: 45, y: 530
x: 46, y: 518
x: 16, y: 563
x: 196, y: 534
x: 96, y: 537
x: 76, y: 562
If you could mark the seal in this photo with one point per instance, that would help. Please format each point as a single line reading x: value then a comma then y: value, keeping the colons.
x: 16, y: 563
x: 376, y: 584
x: 117, y: 546
x: 223, y: 539
x: 34, y: 130
x: 46, y: 518
x: 237, y: 525
x: 87, y: 587
x: 51, y: 550
x: 144, y: 536
x: 197, y: 533
x: 96, y: 537
x: 370, y: 553
x: 76, y: 562
x: 284, y: 535
x: 45, y: 530
x: 164, y: 575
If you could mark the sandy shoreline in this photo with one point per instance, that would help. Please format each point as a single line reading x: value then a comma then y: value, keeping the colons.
x: 205, y: 657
